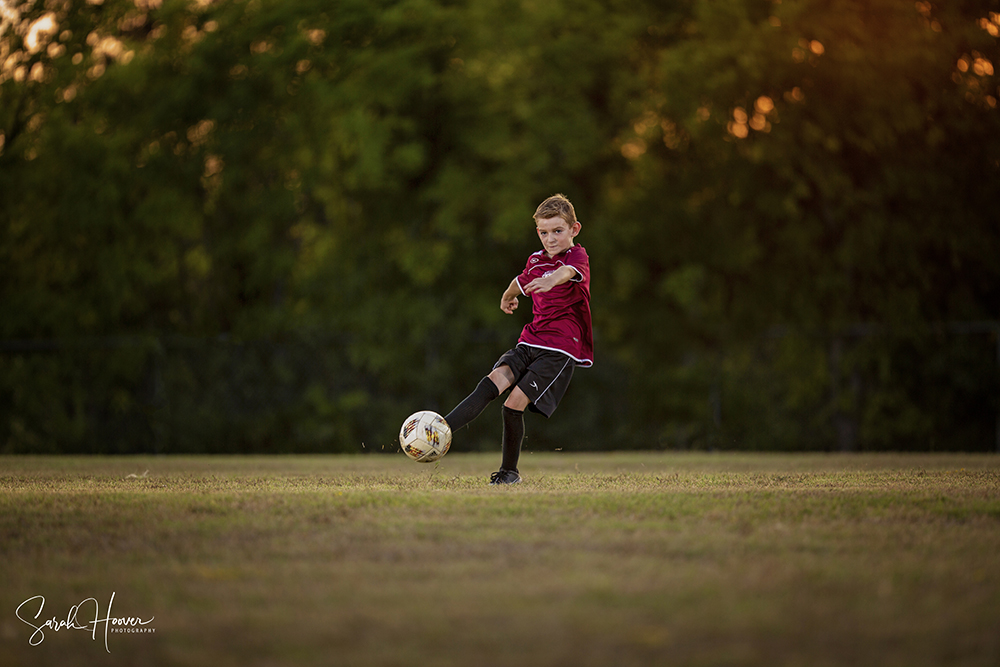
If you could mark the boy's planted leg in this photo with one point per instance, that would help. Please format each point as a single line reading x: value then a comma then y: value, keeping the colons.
x: 513, y: 435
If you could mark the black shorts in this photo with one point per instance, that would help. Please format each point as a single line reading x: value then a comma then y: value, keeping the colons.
x: 543, y: 375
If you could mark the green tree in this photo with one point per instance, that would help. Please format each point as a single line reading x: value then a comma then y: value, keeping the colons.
x: 282, y: 225
x: 815, y: 166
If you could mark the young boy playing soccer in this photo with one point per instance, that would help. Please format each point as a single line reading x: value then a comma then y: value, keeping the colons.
x: 558, y: 338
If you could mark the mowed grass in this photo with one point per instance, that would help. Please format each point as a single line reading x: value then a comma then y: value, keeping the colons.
x: 596, y: 559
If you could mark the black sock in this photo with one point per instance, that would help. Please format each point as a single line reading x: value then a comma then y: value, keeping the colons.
x: 513, y: 434
x: 473, y: 405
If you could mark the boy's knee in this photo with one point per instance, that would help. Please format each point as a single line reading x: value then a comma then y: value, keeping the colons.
x: 502, y: 377
x: 517, y: 400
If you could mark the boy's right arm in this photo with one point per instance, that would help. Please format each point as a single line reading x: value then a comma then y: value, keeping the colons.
x: 508, y: 302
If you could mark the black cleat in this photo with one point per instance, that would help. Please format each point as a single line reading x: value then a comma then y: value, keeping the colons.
x: 505, y: 477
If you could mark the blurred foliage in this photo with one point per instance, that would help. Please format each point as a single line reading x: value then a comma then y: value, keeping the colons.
x: 283, y: 226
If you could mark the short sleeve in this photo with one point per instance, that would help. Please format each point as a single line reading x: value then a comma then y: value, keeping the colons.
x: 578, y: 260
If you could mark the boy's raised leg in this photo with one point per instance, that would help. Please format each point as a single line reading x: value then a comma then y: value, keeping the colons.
x: 470, y: 408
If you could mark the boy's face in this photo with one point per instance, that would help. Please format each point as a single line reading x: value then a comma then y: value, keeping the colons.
x: 556, y: 234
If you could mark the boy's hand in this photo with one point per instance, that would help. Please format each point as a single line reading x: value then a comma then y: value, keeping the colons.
x: 541, y: 284
x: 545, y: 283
x: 508, y: 302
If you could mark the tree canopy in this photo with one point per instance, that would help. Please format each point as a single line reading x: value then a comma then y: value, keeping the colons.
x: 282, y: 226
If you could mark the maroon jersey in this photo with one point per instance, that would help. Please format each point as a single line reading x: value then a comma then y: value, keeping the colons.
x: 560, y: 317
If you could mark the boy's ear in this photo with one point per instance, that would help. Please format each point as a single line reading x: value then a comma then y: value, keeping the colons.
x: 575, y: 229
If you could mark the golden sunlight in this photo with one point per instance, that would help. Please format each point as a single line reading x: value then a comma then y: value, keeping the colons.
x: 763, y: 105
x: 982, y: 67
x: 991, y: 24
x: 634, y: 149
x: 41, y: 32
x: 738, y: 126
x: 795, y: 95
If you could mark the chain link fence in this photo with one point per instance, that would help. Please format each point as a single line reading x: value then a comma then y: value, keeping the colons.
x: 867, y: 389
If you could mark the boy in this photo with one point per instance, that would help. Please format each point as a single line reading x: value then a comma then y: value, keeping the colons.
x: 558, y: 338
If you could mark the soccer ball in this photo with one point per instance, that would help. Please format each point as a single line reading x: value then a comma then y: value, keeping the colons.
x: 425, y: 436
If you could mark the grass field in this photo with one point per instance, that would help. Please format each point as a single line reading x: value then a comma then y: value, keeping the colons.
x: 600, y: 559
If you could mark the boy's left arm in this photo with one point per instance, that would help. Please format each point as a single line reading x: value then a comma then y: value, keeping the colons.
x: 561, y: 275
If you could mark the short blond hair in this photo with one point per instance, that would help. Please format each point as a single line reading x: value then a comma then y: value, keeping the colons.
x: 556, y: 206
